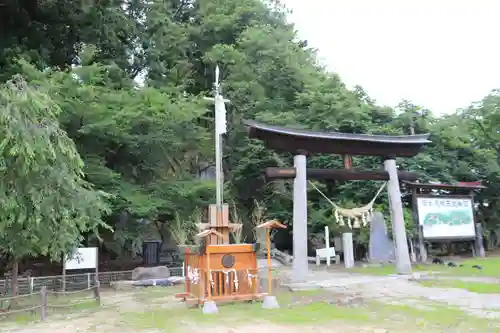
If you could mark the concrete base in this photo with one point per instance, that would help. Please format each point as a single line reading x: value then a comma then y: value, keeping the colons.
x: 270, y: 302
x: 209, y: 307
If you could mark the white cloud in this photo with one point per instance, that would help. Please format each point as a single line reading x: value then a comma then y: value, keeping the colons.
x: 441, y: 54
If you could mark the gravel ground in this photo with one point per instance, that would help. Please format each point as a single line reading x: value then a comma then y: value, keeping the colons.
x: 405, y: 290
x: 389, y: 289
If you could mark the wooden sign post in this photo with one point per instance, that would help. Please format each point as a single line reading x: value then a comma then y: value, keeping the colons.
x: 270, y: 301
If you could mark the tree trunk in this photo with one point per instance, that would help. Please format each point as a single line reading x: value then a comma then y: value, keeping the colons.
x: 13, y: 280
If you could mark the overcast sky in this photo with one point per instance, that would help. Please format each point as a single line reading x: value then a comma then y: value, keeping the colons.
x: 441, y: 54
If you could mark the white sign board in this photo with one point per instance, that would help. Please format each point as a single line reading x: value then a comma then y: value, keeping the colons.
x: 82, y: 258
x: 325, y: 252
x: 446, y: 217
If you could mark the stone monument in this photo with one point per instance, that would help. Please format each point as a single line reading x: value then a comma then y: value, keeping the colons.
x: 381, y: 247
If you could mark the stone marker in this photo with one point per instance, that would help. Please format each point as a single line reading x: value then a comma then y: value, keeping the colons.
x: 145, y: 273
x: 381, y: 247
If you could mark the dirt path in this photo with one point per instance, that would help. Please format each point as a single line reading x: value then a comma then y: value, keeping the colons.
x: 270, y: 328
x: 392, y: 290
x: 105, y: 319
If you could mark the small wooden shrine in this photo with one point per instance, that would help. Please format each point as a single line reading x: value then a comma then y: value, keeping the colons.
x: 217, y: 270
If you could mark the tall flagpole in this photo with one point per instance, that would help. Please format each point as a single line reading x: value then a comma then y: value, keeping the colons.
x: 220, y: 128
x: 218, y: 151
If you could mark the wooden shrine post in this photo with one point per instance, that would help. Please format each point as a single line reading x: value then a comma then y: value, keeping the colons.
x: 270, y: 301
x: 422, y: 250
x: 207, y: 234
x: 219, y: 223
x: 273, y: 224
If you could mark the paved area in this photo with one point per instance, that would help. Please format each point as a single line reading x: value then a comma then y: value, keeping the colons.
x: 400, y: 289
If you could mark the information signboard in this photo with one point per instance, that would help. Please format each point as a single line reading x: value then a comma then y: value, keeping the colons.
x: 446, y: 218
x: 82, y: 258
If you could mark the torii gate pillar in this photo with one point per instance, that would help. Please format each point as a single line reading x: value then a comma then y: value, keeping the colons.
x: 403, y: 263
x: 300, y: 268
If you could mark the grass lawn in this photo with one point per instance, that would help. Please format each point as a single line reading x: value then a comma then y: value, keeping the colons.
x: 155, y: 310
x: 490, y: 268
x: 56, y: 304
x: 314, y: 307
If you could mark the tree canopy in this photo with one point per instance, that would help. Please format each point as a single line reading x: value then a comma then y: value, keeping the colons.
x: 120, y: 84
x: 47, y: 204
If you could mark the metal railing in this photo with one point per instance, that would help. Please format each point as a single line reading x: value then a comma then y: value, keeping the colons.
x: 39, y: 302
x: 72, y: 282
x: 43, y: 300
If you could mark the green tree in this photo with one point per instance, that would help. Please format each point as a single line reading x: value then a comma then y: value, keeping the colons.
x: 129, y: 77
x: 47, y: 205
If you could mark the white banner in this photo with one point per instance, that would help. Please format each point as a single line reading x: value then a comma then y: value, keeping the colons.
x: 446, y: 217
x: 220, y: 115
x: 82, y: 258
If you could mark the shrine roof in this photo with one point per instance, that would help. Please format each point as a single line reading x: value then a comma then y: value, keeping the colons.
x: 293, y: 140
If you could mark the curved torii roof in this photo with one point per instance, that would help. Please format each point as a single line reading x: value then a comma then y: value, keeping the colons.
x: 293, y: 140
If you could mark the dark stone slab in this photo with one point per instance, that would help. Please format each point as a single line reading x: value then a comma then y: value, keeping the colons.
x: 381, y: 246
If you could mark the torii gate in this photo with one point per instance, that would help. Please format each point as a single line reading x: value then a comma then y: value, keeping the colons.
x: 302, y: 143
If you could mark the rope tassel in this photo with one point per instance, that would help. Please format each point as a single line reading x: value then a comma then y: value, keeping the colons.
x: 361, y: 216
